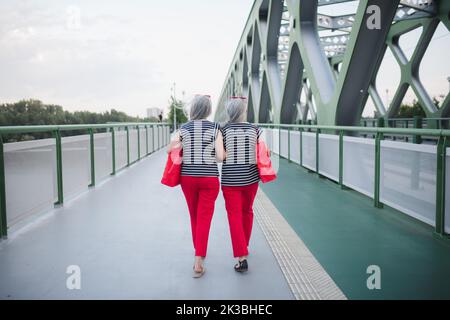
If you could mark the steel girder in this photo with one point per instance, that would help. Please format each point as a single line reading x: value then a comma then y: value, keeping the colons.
x: 283, y: 52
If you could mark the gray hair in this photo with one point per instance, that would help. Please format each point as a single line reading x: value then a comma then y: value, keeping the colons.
x: 237, y: 110
x: 200, y: 108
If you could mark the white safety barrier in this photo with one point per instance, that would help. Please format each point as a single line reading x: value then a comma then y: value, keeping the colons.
x: 407, y: 171
x: 31, y: 171
x: 30, y: 176
x: 408, y: 179
x: 76, y: 161
x: 359, y: 165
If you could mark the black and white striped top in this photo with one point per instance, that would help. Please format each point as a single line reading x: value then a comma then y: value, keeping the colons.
x: 239, y: 168
x: 199, y: 153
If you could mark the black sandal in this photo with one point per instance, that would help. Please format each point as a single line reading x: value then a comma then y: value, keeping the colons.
x: 241, y: 266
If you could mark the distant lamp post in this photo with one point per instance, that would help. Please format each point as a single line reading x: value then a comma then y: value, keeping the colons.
x: 182, y: 102
x: 174, y: 107
x: 448, y: 79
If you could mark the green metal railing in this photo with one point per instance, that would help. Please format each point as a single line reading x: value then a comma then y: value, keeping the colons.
x: 379, y: 133
x: 416, y: 122
x: 90, y: 129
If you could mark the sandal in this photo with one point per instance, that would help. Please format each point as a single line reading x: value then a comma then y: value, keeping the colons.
x: 197, y: 274
x: 241, y: 266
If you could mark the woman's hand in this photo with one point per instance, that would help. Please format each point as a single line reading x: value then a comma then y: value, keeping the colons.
x: 220, y: 150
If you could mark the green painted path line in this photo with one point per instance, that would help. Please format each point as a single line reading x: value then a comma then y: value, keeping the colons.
x: 347, y: 234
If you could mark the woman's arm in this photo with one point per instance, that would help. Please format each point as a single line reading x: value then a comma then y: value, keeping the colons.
x: 175, y: 143
x: 220, y: 150
x: 260, y: 139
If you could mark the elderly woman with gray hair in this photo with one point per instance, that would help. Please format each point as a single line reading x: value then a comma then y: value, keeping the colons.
x: 240, y: 177
x: 202, y: 145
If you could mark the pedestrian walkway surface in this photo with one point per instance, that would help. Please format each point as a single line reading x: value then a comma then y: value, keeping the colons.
x: 346, y: 234
x: 131, y: 239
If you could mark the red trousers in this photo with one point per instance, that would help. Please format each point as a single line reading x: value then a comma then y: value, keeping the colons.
x: 201, y: 194
x: 239, y: 205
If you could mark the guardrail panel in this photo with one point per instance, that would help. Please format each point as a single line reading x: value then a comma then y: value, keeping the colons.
x: 309, y: 150
x: 329, y: 156
x: 295, y: 146
x: 359, y: 164
x: 151, y: 141
x: 284, y: 145
x: 447, y: 193
x: 76, y: 164
x: 267, y: 136
x: 160, y: 137
x: 142, y: 142
x: 408, y: 179
x: 276, y: 141
x: 121, y: 149
x: 156, y: 138
x: 133, y: 145
x: 103, y: 151
x: 30, y: 174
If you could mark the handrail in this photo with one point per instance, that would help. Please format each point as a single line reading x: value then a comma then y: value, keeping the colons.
x: 403, y: 119
x: 48, y: 128
x: 382, y: 130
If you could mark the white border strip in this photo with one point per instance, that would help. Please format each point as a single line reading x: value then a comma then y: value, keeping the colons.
x: 307, y: 279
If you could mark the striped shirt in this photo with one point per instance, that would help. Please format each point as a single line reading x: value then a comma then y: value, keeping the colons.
x: 239, y: 168
x: 199, y: 153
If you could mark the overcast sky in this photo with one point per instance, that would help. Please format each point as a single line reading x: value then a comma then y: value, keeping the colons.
x: 103, y: 54
x: 120, y: 54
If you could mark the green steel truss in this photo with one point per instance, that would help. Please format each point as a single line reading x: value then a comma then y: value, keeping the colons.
x: 288, y: 48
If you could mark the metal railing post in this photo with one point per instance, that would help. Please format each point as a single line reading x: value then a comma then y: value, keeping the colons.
x: 165, y: 135
x: 289, y: 144
x: 365, y: 125
x: 146, y: 140
x: 440, y: 185
x: 153, y: 138
x: 128, y: 146
x: 317, y: 151
x: 380, y: 123
x: 405, y: 125
x: 113, y: 153
x: 301, y: 147
x: 417, y: 139
x: 3, y: 216
x: 157, y: 137
x: 138, y: 142
x: 92, y: 156
x: 394, y: 125
x: 279, y: 141
x: 59, y: 167
x: 377, y: 177
x: 341, y: 158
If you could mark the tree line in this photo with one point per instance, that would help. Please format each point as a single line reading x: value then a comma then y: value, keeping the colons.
x: 35, y: 112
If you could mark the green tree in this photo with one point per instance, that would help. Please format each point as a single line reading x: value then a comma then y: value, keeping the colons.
x: 34, y: 112
x: 179, y: 106
x: 414, y: 109
x: 410, y: 110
